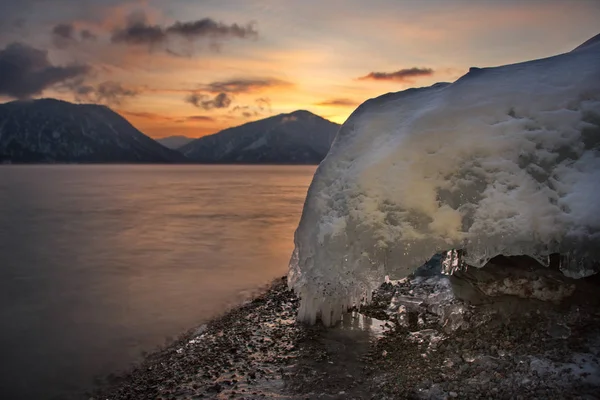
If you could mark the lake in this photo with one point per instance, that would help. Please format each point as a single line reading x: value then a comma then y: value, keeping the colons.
x: 99, y: 264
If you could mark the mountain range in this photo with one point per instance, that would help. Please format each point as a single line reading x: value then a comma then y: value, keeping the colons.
x: 300, y: 137
x: 55, y: 131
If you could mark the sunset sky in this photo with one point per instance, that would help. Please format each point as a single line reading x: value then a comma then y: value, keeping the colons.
x: 193, y: 67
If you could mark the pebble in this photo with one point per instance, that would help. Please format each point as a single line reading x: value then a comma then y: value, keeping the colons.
x: 481, y: 361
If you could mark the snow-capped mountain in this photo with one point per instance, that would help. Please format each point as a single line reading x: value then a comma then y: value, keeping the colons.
x: 300, y: 137
x: 174, y: 142
x: 49, y: 130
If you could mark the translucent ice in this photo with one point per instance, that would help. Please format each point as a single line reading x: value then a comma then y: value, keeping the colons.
x: 505, y: 160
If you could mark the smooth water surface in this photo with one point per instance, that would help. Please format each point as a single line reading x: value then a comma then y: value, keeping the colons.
x: 101, y: 263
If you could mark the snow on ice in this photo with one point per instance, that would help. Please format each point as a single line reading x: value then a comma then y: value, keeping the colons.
x: 503, y: 161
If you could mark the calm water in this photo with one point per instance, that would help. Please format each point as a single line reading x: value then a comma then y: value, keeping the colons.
x: 100, y: 263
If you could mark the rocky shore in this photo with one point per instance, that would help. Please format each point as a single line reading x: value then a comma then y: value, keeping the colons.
x: 522, y: 333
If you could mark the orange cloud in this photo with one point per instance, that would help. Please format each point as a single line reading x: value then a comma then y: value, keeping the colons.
x: 202, y: 118
x: 338, y: 102
x: 246, y: 85
x: 402, y: 75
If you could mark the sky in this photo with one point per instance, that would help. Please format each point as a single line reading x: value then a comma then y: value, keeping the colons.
x: 194, y: 67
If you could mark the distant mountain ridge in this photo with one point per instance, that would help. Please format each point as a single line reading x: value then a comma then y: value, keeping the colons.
x: 300, y: 137
x: 56, y: 131
x: 174, y: 142
x: 49, y: 130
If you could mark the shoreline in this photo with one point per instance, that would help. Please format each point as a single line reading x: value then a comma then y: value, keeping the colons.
x: 157, y: 374
x: 258, y: 350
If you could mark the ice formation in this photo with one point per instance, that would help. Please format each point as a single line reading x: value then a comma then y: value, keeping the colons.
x: 505, y: 160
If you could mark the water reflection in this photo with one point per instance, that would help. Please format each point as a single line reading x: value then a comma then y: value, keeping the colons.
x: 372, y: 328
x: 335, y: 354
x: 100, y: 263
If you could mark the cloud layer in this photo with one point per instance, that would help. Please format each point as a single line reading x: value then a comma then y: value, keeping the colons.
x: 220, y: 94
x: 338, y: 102
x: 109, y: 92
x: 402, y: 75
x: 245, y: 85
x: 138, y: 31
x: 221, y: 100
x: 200, y: 118
x: 65, y: 34
x: 26, y: 71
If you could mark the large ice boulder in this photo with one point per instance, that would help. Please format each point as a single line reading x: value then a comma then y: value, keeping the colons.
x: 505, y: 160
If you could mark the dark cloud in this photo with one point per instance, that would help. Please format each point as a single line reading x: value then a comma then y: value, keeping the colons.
x: 109, y: 92
x: 207, y: 27
x: 86, y: 34
x: 221, y: 100
x: 220, y: 95
x: 263, y: 104
x: 138, y: 31
x: 113, y: 93
x: 244, y: 85
x: 81, y: 90
x: 64, y: 35
x: 195, y: 99
x: 139, y: 34
x: 26, y: 71
x: 341, y: 102
x: 246, y: 111
x: 402, y: 75
x: 64, y: 31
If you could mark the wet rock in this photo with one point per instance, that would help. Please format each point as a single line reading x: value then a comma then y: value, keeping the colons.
x: 557, y: 330
x: 444, y: 347
x: 522, y: 277
x: 215, y: 388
